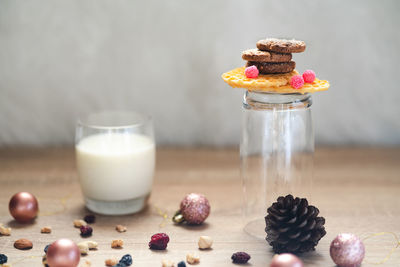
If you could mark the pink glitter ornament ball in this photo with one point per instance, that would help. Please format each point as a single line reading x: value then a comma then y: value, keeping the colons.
x: 195, y: 208
x: 286, y: 260
x: 347, y: 250
x: 251, y: 72
x: 297, y: 81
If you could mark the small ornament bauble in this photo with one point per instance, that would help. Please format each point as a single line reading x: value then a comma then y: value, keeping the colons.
x: 63, y: 253
x: 23, y: 207
x: 347, y: 250
x: 293, y: 226
x: 286, y: 260
x: 194, y: 209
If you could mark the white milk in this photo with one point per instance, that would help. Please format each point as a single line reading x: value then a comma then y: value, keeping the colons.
x: 116, y: 166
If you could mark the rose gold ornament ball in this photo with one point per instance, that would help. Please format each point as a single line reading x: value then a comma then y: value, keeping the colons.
x: 347, y: 250
x: 286, y: 260
x: 23, y: 207
x: 195, y: 208
x: 63, y: 253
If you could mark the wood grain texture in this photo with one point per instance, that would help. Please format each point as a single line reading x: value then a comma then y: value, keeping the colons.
x: 356, y: 190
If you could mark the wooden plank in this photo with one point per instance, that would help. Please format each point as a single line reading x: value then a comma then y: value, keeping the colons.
x: 357, y: 190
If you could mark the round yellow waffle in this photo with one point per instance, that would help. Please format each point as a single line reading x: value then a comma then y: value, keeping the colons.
x: 279, y: 83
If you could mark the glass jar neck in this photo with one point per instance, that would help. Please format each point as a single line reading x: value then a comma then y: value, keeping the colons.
x: 267, y: 101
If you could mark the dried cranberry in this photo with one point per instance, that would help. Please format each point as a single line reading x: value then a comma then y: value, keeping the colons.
x: 159, y: 241
x: 3, y: 258
x: 86, y: 230
x: 90, y: 218
x: 240, y: 257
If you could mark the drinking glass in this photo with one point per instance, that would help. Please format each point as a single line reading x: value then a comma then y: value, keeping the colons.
x: 115, y: 156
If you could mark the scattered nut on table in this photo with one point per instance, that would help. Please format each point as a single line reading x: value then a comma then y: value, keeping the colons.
x: 83, y: 248
x: 5, y: 230
x: 192, y: 258
x: 118, y: 243
x: 205, y: 242
x: 92, y: 244
x: 167, y: 263
x: 120, y: 228
x: 23, y: 244
x: 79, y: 223
x: 44, y: 260
x: 111, y: 262
x: 46, y: 230
x: 86, y: 263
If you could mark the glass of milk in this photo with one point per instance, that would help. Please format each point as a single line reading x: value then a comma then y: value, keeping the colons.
x: 115, y: 155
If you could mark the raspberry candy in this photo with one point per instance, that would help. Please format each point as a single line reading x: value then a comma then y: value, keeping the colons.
x: 296, y: 81
x: 309, y: 76
x: 251, y: 72
x: 159, y: 241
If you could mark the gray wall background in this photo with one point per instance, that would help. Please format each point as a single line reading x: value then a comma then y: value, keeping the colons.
x: 60, y: 58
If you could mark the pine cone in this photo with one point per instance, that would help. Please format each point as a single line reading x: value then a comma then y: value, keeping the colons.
x: 293, y: 225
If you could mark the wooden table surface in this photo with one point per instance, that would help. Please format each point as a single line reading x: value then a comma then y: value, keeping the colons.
x: 357, y: 190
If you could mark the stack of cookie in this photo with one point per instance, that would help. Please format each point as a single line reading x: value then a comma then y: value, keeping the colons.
x: 273, y: 55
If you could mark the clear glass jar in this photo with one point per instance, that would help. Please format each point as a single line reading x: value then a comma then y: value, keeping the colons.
x: 276, y: 152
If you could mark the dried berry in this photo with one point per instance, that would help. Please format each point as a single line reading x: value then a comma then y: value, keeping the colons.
x: 46, y: 248
x: 240, y: 257
x: 3, y: 258
x: 90, y: 218
x: 159, y: 241
x: 86, y: 230
x: 126, y: 259
x: 182, y: 264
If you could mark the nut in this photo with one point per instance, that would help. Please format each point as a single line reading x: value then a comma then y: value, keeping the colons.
x: 79, y: 223
x: 167, y: 263
x: 5, y: 230
x: 205, y: 242
x: 83, y: 248
x: 23, y: 244
x: 44, y: 260
x: 192, y: 258
x: 111, y: 262
x: 46, y: 230
x: 118, y: 243
x: 86, y: 263
x: 92, y: 244
x: 120, y: 228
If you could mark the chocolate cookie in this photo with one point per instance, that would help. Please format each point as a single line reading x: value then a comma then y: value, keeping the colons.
x: 272, y: 68
x: 281, y: 45
x: 265, y: 56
